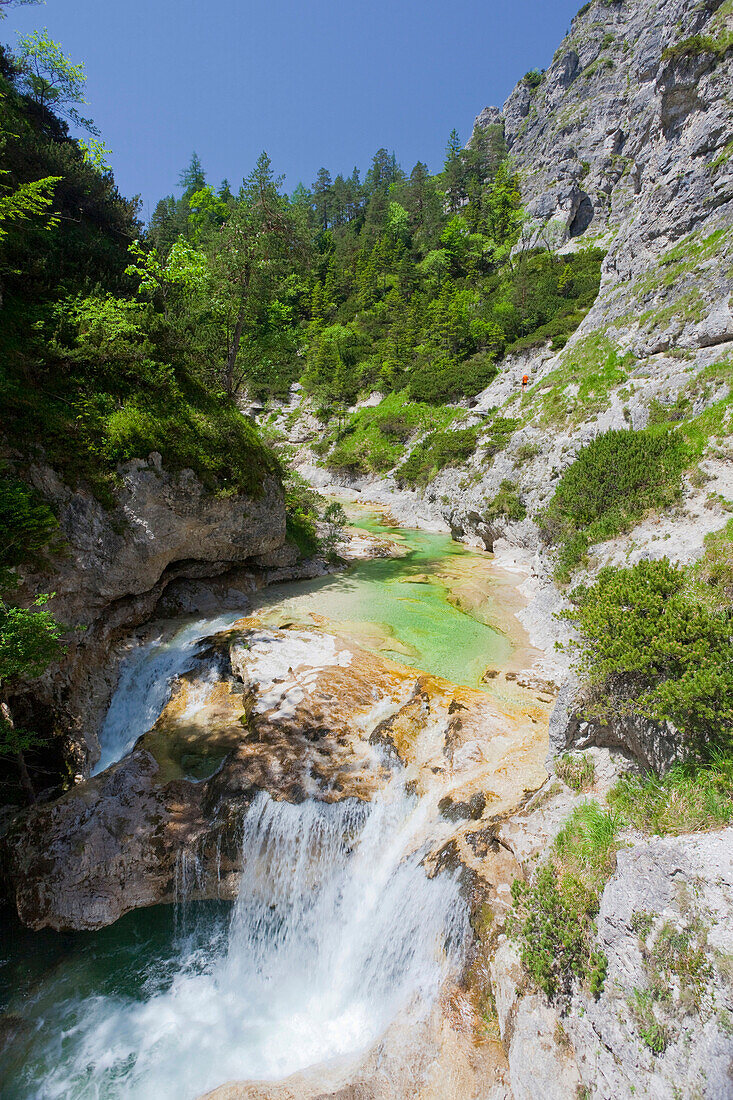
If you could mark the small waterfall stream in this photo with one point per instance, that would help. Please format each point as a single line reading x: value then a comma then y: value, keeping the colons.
x: 336, y: 931
x: 144, y: 684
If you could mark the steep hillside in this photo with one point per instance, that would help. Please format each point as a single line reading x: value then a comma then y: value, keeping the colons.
x: 608, y: 479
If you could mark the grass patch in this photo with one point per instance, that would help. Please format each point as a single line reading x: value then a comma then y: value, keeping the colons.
x: 689, y: 799
x: 553, y: 917
x: 613, y: 482
x: 580, y: 386
x: 507, y: 504
x: 578, y: 771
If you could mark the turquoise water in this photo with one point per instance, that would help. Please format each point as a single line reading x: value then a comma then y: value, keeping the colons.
x: 401, y: 606
x: 167, y: 1003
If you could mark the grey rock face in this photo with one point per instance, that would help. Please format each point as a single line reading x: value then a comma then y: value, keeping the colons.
x: 117, y: 564
x: 653, y: 747
x: 160, y: 520
x: 661, y: 1027
x: 614, y: 120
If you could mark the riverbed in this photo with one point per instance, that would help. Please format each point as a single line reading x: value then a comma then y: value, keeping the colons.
x: 337, y: 928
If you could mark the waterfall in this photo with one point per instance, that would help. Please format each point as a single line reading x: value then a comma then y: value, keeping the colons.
x: 144, y: 684
x: 336, y: 931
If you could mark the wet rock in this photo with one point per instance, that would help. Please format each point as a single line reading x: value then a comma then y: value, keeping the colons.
x: 297, y: 713
x: 463, y: 811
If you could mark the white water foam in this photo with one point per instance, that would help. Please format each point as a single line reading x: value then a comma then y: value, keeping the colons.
x: 336, y: 930
x: 144, y: 685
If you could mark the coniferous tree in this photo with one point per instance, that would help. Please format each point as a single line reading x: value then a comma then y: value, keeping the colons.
x: 454, y: 174
x: 322, y: 198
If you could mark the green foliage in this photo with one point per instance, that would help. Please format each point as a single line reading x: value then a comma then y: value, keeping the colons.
x: 29, y: 640
x: 678, y: 972
x: 372, y: 439
x: 577, y: 770
x: 691, y: 797
x: 700, y: 44
x: 711, y: 578
x: 302, y: 512
x: 533, y: 78
x: 614, y: 480
x: 50, y: 78
x: 436, y: 451
x: 305, y: 510
x: 553, y: 916
x: 507, y: 504
x: 28, y: 201
x: 648, y: 650
x: 27, y: 525
x: 498, y: 435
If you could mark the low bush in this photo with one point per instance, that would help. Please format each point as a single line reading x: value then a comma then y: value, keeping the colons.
x: 553, y: 917
x: 648, y: 650
x: 443, y: 380
x: 434, y: 453
x: 614, y: 480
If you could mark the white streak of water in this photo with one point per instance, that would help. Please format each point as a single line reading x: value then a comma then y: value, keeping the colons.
x: 336, y: 931
x: 144, y: 685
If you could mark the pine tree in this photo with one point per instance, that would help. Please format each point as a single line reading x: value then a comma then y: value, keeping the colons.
x: 322, y: 198
x: 193, y: 177
x: 454, y: 173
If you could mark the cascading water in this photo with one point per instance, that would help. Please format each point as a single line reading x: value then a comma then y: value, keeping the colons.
x: 337, y: 929
x: 145, y: 681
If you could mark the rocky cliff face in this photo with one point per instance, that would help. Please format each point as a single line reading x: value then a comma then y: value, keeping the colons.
x: 114, y: 567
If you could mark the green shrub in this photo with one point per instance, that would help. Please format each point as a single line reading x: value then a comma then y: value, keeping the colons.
x: 372, y: 439
x: 648, y: 650
x: 498, y: 435
x: 443, y: 380
x: 533, y: 78
x: 553, y: 918
x: 434, y: 453
x: 27, y: 525
x: 614, y: 480
x: 507, y: 503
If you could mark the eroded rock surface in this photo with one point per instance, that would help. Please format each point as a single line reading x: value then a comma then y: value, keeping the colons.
x: 297, y: 713
x: 661, y: 1027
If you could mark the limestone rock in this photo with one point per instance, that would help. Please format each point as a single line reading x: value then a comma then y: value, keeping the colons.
x: 298, y: 713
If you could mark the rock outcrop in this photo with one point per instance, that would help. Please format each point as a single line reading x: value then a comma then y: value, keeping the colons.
x: 297, y: 713
x: 113, y: 568
x: 661, y: 1026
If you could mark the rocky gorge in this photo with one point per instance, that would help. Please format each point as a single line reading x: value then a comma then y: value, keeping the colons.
x: 305, y: 762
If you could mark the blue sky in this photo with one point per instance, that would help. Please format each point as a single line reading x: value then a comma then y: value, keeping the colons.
x: 323, y: 83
